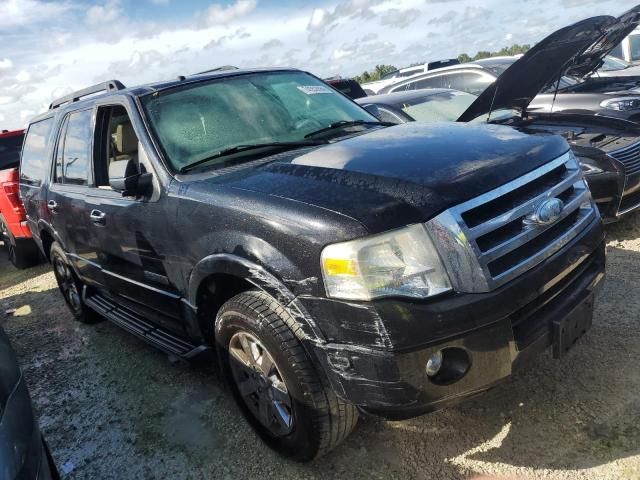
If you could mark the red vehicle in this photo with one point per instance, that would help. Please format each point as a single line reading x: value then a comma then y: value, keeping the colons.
x: 16, y: 235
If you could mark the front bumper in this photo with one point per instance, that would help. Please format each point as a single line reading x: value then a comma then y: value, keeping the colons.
x: 499, y: 331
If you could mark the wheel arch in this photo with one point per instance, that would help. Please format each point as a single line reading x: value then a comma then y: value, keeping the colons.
x: 219, y: 277
x: 47, y: 237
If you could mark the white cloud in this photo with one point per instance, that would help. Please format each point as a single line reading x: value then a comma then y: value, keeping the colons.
x: 5, y: 64
x: 104, y: 14
x: 219, y: 15
x: 58, y: 47
x: 29, y: 12
x: 23, y: 76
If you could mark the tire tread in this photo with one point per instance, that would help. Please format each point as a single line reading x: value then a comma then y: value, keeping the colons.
x: 333, y: 418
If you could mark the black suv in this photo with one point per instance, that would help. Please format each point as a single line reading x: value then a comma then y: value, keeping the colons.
x: 337, y: 265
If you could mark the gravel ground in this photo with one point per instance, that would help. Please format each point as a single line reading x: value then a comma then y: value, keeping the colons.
x: 113, y: 407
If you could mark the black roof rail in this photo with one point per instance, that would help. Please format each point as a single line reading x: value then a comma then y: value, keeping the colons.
x: 75, y: 96
x: 217, y: 69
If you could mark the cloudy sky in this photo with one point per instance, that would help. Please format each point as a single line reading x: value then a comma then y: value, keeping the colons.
x: 48, y: 48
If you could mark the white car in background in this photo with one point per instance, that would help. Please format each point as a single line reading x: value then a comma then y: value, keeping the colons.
x: 372, y: 88
x: 629, y: 48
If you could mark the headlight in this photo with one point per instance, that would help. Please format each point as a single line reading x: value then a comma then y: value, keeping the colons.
x: 399, y: 263
x: 622, y: 103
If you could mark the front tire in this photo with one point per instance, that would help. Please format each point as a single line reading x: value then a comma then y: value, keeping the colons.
x: 70, y: 286
x: 284, y: 397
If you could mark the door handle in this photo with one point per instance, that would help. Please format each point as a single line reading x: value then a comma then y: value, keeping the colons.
x: 97, y: 217
x: 52, y: 205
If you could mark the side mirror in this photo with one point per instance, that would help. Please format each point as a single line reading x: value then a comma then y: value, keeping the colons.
x: 372, y: 108
x: 125, y: 177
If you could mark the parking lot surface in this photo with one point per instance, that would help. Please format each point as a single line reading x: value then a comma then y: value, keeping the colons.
x: 112, y: 407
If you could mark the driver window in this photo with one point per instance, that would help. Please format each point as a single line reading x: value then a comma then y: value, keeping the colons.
x: 118, y: 141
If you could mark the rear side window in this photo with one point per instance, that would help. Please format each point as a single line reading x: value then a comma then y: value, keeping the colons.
x: 35, y: 154
x: 10, y: 146
x: 73, y: 156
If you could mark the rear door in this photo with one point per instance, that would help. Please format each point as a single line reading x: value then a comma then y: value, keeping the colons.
x: 34, y: 169
x: 68, y: 191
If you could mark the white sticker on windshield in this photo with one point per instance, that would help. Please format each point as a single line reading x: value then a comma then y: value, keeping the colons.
x: 314, y: 89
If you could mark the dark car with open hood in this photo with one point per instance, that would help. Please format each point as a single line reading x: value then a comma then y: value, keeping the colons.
x: 337, y: 265
x: 608, y: 148
x: 23, y: 453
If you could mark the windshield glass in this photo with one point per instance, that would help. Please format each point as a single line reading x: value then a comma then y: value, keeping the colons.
x: 441, y: 107
x: 611, y: 64
x: 197, y: 121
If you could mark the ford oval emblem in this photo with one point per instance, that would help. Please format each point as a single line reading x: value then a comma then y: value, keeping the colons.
x: 546, y: 213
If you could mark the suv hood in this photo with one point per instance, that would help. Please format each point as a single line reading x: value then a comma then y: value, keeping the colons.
x: 404, y: 174
x: 576, y: 50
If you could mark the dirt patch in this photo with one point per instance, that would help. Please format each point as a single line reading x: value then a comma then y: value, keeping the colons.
x: 113, y: 407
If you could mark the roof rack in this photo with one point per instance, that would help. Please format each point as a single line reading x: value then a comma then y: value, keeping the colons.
x: 76, y: 96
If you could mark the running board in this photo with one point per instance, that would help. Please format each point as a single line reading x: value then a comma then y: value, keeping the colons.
x: 147, y: 331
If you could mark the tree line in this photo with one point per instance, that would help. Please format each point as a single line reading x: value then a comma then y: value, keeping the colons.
x: 381, y: 70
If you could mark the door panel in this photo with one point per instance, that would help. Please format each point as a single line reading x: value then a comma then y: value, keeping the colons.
x: 131, y: 257
x: 66, y: 197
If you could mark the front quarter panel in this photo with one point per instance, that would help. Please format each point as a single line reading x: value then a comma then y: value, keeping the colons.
x: 272, y: 242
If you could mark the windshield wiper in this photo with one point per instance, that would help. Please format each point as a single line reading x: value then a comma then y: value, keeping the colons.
x: 347, y: 123
x: 255, y: 146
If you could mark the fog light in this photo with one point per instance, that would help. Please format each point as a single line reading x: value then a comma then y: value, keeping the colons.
x: 434, y: 364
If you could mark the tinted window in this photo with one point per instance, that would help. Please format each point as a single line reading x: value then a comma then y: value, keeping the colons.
x: 33, y: 166
x: 72, y: 165
x: 10, y: 146
x: 469, y: 82
x: 432, y: 82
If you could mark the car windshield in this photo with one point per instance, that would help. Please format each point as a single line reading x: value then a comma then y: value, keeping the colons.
x: 611, y: 64
x: 200, y: 120
x: 440, y: 107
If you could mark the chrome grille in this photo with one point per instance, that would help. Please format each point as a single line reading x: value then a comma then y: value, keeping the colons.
x: 630, y: 157
x: 485, y: 242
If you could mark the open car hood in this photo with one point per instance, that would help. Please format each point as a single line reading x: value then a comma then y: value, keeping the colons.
x: 577, y: 49
x: 591, y: 59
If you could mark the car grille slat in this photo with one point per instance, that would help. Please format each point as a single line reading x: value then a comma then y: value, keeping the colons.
x: 629, y: 157
x: 525, y: 207
x: 530, y: 232
x: 494, y: 244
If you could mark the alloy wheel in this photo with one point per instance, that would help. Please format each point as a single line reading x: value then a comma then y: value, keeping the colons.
x: 67, y: 284
x: 261, y: 384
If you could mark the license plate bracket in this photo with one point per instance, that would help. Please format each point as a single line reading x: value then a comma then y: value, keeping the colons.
x: 568, y: 330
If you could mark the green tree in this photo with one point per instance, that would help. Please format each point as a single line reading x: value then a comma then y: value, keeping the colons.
x: 464, y: 58
x: 372, y: 75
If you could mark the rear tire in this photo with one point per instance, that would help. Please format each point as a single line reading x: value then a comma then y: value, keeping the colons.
x: 22, y: 252
x: 319, y: 420
x: 70, y: 286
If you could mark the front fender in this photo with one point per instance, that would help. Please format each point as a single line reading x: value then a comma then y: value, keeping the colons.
x: 258, y: 276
